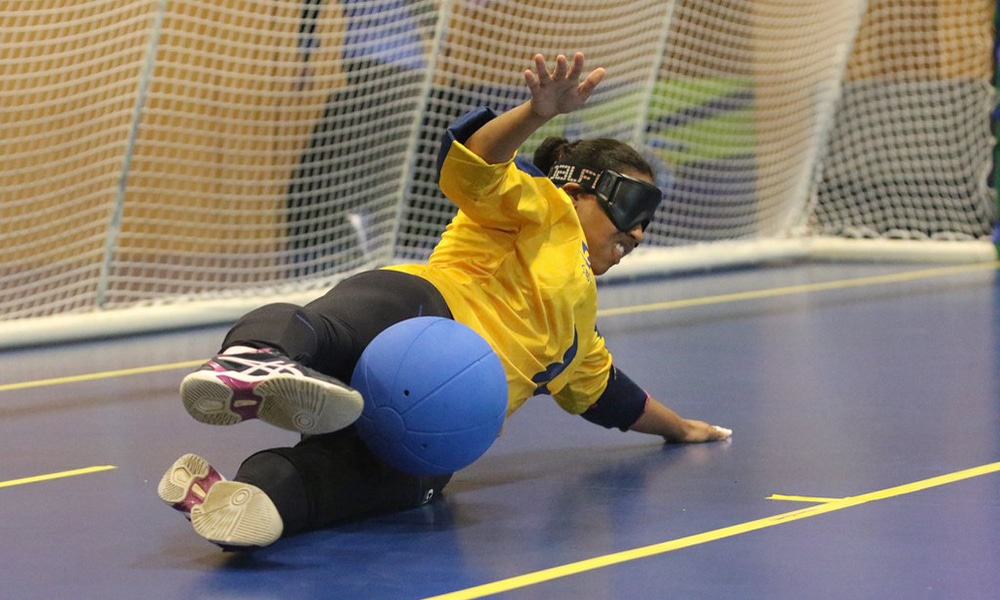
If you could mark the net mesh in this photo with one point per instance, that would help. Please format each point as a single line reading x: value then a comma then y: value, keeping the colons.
x: 168, y: 151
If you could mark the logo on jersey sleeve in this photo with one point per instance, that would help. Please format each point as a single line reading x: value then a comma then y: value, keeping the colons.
x: 542, y: 379
x: 588, y: 271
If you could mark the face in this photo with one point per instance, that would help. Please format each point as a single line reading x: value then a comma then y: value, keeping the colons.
x: 606, y: 244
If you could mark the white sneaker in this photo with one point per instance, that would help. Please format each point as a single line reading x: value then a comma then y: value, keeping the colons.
x: 237, y: 514
x: 226, y: 513
x: 263, y: 384
x: 186, y: 483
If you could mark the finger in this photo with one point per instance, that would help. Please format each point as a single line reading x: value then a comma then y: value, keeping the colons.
x: 540, y: 68
x: 721, y: 433
x: 587, y: 85
x: 562, y: 66
x: 577, y: 68
x: 532, y: 80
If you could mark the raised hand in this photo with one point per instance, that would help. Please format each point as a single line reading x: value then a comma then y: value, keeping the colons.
x: 560, y: 90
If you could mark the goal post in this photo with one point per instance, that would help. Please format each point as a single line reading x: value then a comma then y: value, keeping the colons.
x: 171, y: 163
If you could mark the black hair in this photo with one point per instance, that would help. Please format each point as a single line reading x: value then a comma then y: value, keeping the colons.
x: 599, y: 154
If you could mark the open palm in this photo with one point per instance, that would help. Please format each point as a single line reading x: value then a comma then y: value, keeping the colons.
x: 560, y: 90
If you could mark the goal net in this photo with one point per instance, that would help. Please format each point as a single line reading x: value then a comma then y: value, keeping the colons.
x: 175, y: 162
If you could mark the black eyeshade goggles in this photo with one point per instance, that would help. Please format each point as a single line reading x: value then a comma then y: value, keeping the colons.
x: 628, y: 202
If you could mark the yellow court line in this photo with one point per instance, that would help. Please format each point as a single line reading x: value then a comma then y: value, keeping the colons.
x: 521, y: 581
x: 802, y: 289
x: 102, y: 375
x: 59, y: 475
x: 816, y: 499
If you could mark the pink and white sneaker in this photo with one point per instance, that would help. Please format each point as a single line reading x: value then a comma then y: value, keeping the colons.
x: 263, y: 384
x: 187, y: 482
x: 226, y: 513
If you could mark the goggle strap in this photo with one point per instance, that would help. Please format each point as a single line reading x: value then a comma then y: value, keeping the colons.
x: 563, y: 173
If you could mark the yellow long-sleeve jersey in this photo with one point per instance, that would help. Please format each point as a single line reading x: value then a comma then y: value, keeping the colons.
x: 513, y: 265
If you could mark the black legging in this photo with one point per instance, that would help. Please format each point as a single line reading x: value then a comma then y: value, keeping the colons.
x: 331, y: 478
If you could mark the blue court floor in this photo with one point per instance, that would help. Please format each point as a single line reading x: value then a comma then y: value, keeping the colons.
x: 864, y: 464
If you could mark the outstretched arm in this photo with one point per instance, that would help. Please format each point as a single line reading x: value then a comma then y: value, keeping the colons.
x: 657, y: 419
x: 552, y: 93
x: 626, y: 406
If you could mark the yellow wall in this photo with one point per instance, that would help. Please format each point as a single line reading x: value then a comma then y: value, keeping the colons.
x: 957, y: 29
x: 229, y: 113
x: 224, y: 123
x: 67, y: 81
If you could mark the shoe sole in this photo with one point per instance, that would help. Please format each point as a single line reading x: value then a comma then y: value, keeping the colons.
x: 237, y: 514
x: 190, y: 474
x: 296, y: 403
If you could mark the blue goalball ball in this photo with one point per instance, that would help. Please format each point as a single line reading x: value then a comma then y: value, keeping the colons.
x: 435, y: 395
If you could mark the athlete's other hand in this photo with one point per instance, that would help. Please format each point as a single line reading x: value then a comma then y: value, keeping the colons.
x: 699, y: 431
